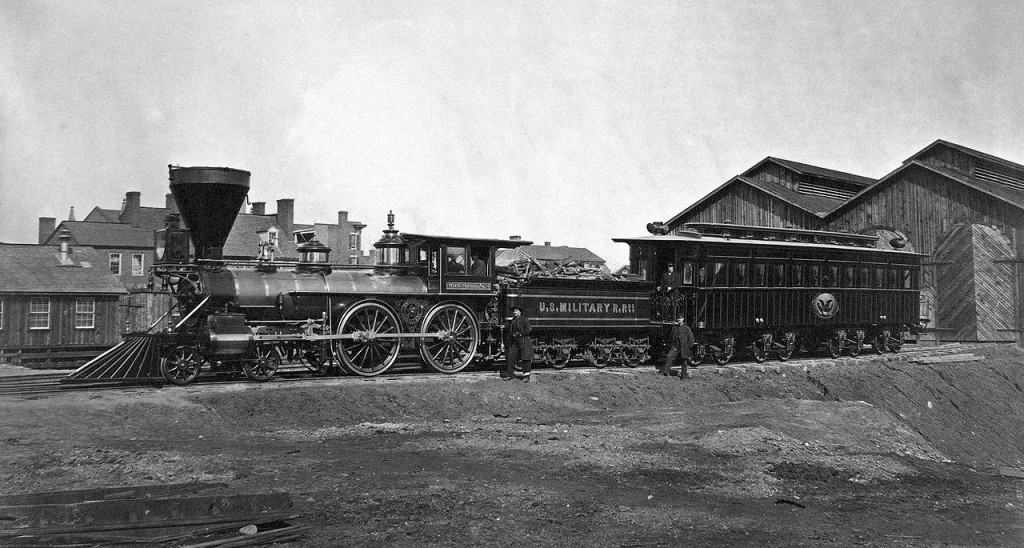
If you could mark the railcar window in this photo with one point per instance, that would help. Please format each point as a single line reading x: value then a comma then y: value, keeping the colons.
x: 814, y: 276
x: 847, y: 278
x: 879, y: 278
x: 862, y: 277
x: 687, y: 273
x: 893, y: 279
x: 455, y: 260
x: 738, y: 277
x: 830, y: 278
x: 907, y: 283
x: 719, y: 275
x: 798, y: 274
x: 776, y: 275
x: 758, y: 276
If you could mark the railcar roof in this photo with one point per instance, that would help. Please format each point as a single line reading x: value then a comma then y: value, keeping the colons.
x: 721, y: 240
x: 456, y: 240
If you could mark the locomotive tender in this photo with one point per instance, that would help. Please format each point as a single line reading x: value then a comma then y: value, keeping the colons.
x: 443, y: 297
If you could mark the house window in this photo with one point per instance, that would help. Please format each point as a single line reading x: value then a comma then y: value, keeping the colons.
x: 39, y: 314
x: 85, y: 313
x: 353, y: 240
x: 138, y: 264
x: 304, y: 236
x: 115, y: 264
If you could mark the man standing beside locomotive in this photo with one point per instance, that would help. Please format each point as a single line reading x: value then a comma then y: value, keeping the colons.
x: 681, y: 341
x: 520, y: 348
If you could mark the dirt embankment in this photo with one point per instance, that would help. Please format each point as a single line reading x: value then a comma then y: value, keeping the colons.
x: 881, y: 453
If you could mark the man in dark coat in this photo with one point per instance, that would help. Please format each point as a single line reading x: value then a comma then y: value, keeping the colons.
x: 680, y: 341
x: 520, y: 348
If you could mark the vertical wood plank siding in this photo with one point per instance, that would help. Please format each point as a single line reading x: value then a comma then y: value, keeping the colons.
x: 62, y: 332
x: 743, y: 204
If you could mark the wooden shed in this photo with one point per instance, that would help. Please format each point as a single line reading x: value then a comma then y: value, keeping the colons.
x: 57, y: 304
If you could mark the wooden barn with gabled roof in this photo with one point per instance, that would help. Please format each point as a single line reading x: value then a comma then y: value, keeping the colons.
x: 962, y: 207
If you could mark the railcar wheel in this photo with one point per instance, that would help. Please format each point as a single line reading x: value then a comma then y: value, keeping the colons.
x: 555, y: 357
x: 370, y: 352
x: 456, y: 345
x: 759, y: 349
x: 834, y: 345
x: 723, y: 354
x: 263, y: 367
x: 857, y: 345
x: 896, y: 343
x: 631, y: 357
x: 789, y: 347
x: 181, y: 365
x: 878, y: 341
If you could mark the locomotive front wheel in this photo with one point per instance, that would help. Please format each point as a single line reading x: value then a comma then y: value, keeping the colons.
x: 370, y: 352
x: 181, y: 365
x: 456, y: 345
x: 263, y: 367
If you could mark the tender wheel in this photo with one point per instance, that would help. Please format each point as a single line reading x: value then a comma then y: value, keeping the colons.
x: 878, y: 342
x: 631, y: 356
x: 596, y: 356
x: 722, y: 354
x: 181, y: 365
x: 263, y: 367
x: 896, y: 343
x: 370, y: 352
x: 834, y: 345
x: 697, y: 355
x: 786, y: 351
x: 455, y: 347
x: 556, y: 357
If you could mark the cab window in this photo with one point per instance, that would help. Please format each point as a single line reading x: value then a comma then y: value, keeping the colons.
x: 455, y: 260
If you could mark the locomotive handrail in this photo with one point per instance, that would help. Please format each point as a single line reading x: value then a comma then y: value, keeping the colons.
x: 188, y: 317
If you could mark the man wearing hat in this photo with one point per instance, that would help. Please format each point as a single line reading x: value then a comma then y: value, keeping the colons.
x: 680, y: 340
x: 520, y: 348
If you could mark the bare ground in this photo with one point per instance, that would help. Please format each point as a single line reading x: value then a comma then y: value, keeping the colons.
x: 877, y: 452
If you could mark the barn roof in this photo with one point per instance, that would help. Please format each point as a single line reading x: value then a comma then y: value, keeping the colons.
x: 817, y: 205
x: 815, y: 171
x: 995, y: 190
x: 969, y: 152
x: 31, y: 268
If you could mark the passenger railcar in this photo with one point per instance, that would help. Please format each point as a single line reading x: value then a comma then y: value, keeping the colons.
x: 774, y: 290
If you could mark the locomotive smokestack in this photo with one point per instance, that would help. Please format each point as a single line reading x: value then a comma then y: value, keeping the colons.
x: 209, y: 199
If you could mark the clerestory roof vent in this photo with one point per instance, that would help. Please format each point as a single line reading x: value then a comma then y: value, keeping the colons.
x: 824, y: 191
x: 983, y: 174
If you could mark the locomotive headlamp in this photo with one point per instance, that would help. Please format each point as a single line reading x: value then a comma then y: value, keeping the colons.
x: 657, y: 228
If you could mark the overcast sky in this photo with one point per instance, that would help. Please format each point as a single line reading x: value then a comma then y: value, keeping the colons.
x: 569, y: 122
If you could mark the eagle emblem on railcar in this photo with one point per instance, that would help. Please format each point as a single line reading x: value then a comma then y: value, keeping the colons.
x: 825, y: 305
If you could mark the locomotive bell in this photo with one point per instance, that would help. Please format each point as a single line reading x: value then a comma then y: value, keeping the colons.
x: 208, y: 199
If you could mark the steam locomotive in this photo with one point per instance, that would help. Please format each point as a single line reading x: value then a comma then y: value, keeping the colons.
x: 767, y: 290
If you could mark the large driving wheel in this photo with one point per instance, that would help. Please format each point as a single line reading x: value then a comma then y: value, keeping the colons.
x: 455, y: 345
x: 263, y: 367
x: 371, y: 350
x: 181, y: 365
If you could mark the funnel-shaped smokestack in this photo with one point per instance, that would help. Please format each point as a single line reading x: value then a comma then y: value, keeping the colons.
x: 209, y: 199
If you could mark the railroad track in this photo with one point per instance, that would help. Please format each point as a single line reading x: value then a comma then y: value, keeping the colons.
x: 49, y: 383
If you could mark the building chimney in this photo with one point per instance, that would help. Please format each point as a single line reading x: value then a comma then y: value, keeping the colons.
x: 286, y: 215
x: 515, y: 238
x: 46, y: 226
x: 71, y: 214
x: 342, y: 218
x: 132, y: 203
x: 64, y: 247
x: 259, y: 208
x: 170, y: 205
x: 547, y: 244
